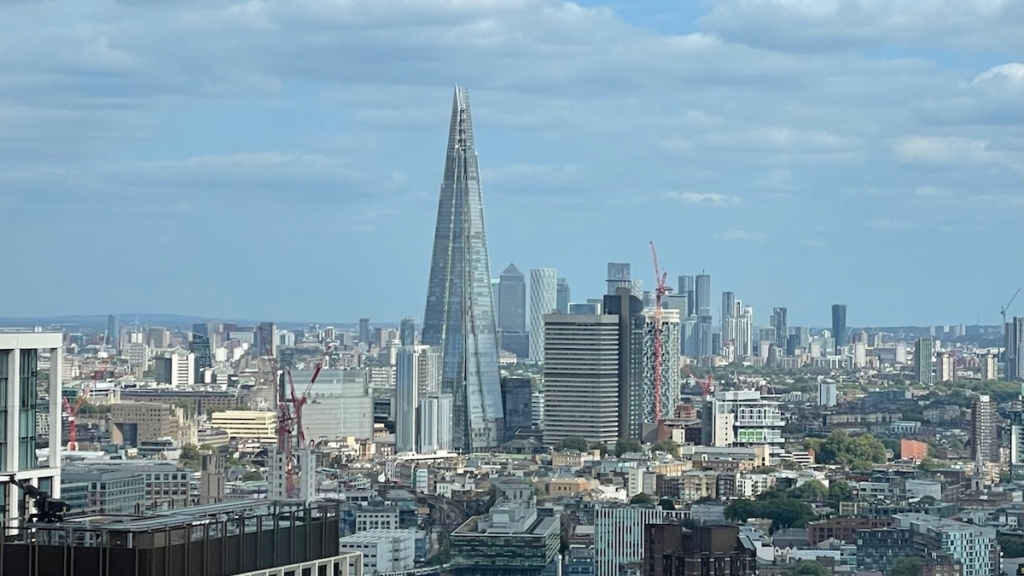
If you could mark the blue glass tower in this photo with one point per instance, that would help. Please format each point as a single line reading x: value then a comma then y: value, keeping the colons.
x: 459, y: 317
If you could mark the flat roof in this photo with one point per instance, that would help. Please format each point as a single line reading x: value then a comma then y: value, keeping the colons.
x: 31, y: 340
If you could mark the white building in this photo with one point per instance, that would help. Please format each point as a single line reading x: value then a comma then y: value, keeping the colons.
x: 742, y: 418
x: 182, y: 367
x: 138, y: 355
x: 860, y: 354
x: 340, y: 403
x: 406, y: 399
x: 21, y: 355
x: 543, y: 300
x: 745, y: 332
x: 972, y: 546
x: 383, y: 551
x: 435, y: 423
x: 671, y: 380
x: 619, y: 535
x: 828, y: 393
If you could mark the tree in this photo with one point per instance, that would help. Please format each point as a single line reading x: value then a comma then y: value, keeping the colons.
x: 783, y: 512
x: 857, y: 452
x: 642, y: 498
x: 808, y: 568
x: 577, y: 443
x: 810, y: 490
x: 906, y: 566
x: 839, y: 491
x: 190, y: 457
x: 625, y: 445
x: 667, y: 504
x: 667, y: 446
x: 1012, y: 546
x: 252, y: 476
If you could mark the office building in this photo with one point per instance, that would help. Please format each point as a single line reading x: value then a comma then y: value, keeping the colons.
x: 459, y: 316
x: 110, y: 490
x: 744, y: 331
x: 364, y: 331
x: 407, y: 399
x: 384, y: 551
x: 945, y: 366
x: 778, y: 321
x: 828, y: 393
x: 202, y: 348
x: 177, y: 367
x: 741, y: 418
x: 138, y: 356
x: 513, y: 539
x: 341, y: 402
x: 213, y: 540
x: 1014, y: 345
x: 672, y: 549
x: 564, y: 296
x: 729, y: 318
x: 687, y: 287
x: 265, y: 339
x: 924, y: 349
x: 632, y: 335
x: 618, y: 277
x: 543, y: 300
x: 973, y: 548
x: 407, y: 332
x: 702, y: 295
x: 585, y: 308
x: 132, y: 423
x: 619, y: 535
x: 435, y: 423
x: 112, y: 337
x: 516, y: 398
x: 985, y: 424
x: 512, y: 301
x: 21, y: 355
x: 581, y: 377
x: 839, y: 325
x: 247, y: 425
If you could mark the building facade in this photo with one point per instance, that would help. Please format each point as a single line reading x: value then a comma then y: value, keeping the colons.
x: 924, y: 349
x: 459, y: 316
x: 512, y: 301
x: 564, y: 296
x: 741, y: 418
x: 839, y: 325
x: 671, y: 549
x: 984, y: 430
x: 543, y: 301
x: 619, y: 535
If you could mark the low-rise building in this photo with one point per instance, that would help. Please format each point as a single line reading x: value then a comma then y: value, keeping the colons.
x: 247, y: 424
x: 383, y: 550
x: 672, y: 549
x: 513, y: 539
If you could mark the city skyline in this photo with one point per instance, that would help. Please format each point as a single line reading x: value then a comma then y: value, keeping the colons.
x: 335, y: 154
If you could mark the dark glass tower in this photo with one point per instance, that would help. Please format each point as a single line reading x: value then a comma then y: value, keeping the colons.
x: 839, y: 325
x: 459, y: 316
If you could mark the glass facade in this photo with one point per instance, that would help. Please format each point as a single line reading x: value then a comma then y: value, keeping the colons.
x: 459, y: 316
x: 4, y: 367
x: 28, y: 376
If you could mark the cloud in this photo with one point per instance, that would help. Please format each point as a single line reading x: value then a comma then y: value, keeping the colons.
x: 945, y: 149
x: 740, y: 235
x: 704, y: 198
x: 885, y: 224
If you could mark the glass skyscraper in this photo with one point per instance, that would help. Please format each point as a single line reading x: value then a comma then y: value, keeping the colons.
x: 839, y: 325
x: 459, y: 316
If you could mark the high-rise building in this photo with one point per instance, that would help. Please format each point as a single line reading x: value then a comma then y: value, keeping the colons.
x: 112, y: 338
x: 702, y: 294
x: 989, y: 367
x: 459, y: 316
x: 23, y: 407
x: 923, y: 351
x: 839, y: 325
x: 619, y: 536
x: 687, y: 286
x: 543, y: 300
x: 729, y: 318
x: 436, y: 424
x: 265, y: 339
x: 407, y: 332
x: 745, y: 331
x: 618, y: 276
x: 984, y: 430
x: 364, y: 330
x: 516, y: 398
x: 201, y: 347
x: 669, y: 548
x: 828, y: 393
x: 581, y: 378
x: 778, y: 321
x: 407, y: 399
x: 584, y: 308
x: 1014, y: 343
x: 945, y: 366
x: 512, y: 301
x: 564, y: 296
x: 671, y: 382
x: 632, y: 335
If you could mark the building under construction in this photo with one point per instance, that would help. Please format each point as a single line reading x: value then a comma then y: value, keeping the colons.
x: 272, y: 537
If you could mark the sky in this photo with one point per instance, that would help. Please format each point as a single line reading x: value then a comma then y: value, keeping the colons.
x: 281, y: 159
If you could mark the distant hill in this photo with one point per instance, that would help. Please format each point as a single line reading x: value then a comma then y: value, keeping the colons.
x: 99, y: 321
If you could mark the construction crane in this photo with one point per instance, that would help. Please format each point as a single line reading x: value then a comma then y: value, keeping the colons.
x: 1003, y: 310
x: 708, y: 385
x: 72, y: 410
x: 661, y: 289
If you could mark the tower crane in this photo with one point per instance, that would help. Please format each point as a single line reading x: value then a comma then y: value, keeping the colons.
x: 1003, y: 310
x: 72, y: 410
x: 661, y: 289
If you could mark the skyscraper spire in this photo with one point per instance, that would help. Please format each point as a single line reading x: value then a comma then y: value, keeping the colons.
x: 459, y: 316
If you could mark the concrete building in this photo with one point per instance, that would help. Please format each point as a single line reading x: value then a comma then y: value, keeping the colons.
x: 543, y: 301
x: 930, y: 537
x: 984, y: 430
x: 671, y: 379
x: 21, y: 355
x: 516, y: 400
x: 513, y: 539
x: 828, y: 393
x: 512, y: 301
x: 989, y: 366
x: 619, y: 535
x: 628, y: 311
x: 164, y: 484
x: 177, y: 367
x: 564, y: 296
x: 383, y: 550
x: 250, y: 425
x: 435, y: 416
x: 672, y: 549
x: 581, y: 378
x: 110, y: 490
x: 1014, y: 345
x: 924, y: 349
x: 340, y: 403
x: 133, y: 423
x: 945, y: 367
x: 138, y: 356
x: 741, y: 418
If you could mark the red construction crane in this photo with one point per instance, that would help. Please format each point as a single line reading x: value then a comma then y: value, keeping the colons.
x: 661, y: 289
x: 708, y: 385
x: 72, y: 410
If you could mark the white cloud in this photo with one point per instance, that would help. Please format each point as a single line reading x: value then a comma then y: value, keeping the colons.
x: 945, y: 149
x: 704, y: 198
x: 740, y: 235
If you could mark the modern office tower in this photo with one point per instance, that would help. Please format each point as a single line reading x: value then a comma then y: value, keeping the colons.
x: 564, y: 296
x: 803, y: 335
x: 671, y: 382
x: 585, y: 308
x: 945, y: 367
x: 984, y: 430
x: 688, y: 345
x: 632, y: 324
x: 792, y: 343
x: 618, y: 276
x: 687, y: 287
x: 839, y: 325
x: 745, y: 331
x: 21, y: 354
x: 265, y: 339
x: 201, y: 348
x: 407, y: 332
x: 537, y: 408
x: 459, y: 316
x: 778, y: 321
x: 581, y: 377
x: 923, y: 351
x: 1014, y: 343
x: 364, y: 330
x: 741, y: 418
x: 989, y: 366
x: 728, y: 318
x: 512, y: 301
x: 766, y: 335
x: 678, y: 302
x: 543, y: 300
x: 407, y: 399
x: 340, y: 404
x: 177, y: 368
x: 112, y: 337
x: 704, y: 337
x: 828, y: 393
x: 517, y: 400
x: 702, y: 294
x: 436, y: 424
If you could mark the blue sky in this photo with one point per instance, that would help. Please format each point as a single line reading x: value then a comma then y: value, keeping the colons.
x: 282, y: 159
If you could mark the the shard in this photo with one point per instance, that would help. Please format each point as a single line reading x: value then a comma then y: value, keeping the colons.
x: 459, y: 317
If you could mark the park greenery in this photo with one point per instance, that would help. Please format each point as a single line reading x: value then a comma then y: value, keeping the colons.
x: 807, y: 568
x: 190, y: 457
x: 906, y: 566
x: 854, y: 452
x: 642, y: 498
